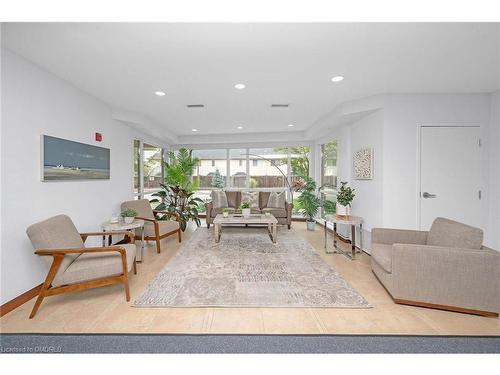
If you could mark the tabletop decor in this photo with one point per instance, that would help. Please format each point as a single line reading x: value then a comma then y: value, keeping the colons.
x: 129, y: 215
x: 345, y: 196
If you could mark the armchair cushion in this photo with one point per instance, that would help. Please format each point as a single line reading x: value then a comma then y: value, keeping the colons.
x: 449, y: 233
x: 56, y: 232
x: 91, y: 266
x: 165, y: 226
x: 142, y: 206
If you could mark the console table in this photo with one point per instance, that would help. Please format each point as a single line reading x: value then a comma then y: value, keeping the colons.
x: 353, y: 221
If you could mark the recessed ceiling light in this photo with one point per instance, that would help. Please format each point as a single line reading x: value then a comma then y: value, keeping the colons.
x: 160, y: 93
x: 239, y: 86
x: 337, y: 79
x: 194, y: 130
x: 239, y: 127
x: 291, y: 125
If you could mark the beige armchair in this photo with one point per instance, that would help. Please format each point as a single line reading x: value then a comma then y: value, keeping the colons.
x: 72, y: 266
x: 446, y: 268
x: 154, y: 230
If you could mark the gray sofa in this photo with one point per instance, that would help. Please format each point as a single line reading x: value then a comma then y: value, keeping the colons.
x: 445, y: 268
x: 284, y: 215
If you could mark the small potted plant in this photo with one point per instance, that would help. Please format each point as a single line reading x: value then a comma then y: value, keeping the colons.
x: 245, y: 209
x: 129, y: 215
x: 345, y: 197
x: 225, y: 212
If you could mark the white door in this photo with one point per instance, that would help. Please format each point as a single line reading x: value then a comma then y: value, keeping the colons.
x: 450, y: 175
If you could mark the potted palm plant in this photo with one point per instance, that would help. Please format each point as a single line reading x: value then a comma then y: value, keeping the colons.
x: 345, y: 197
x: 309, y: 201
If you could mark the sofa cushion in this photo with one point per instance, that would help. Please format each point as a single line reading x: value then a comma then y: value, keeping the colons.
x: 252, y: 198
x: 219, y: 199
x: 276, y: 200
x: 449, y: 233
x: 216, y: 211
x: 276, y: 212
x: 263, y: 198
x: 165, y: 226
x: 382, y: 254
x: 90, y: 266
x: 233, y: 198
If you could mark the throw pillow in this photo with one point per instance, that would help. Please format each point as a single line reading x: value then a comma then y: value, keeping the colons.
x: 252, y: 198
x: 219, y: 199
x: 276, y: 200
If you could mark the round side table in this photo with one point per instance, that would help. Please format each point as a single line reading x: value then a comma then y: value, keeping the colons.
x: 121, y: 226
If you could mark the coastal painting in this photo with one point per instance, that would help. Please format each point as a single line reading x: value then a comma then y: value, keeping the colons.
x: 65, y: 160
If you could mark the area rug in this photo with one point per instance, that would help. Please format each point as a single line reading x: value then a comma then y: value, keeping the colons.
x: 245, y: 269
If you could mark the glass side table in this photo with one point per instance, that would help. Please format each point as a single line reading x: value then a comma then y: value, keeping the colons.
x: 121, y: 226
x: 353, y: 221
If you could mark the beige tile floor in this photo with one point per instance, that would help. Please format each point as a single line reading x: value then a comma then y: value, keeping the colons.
x: 104, y: 310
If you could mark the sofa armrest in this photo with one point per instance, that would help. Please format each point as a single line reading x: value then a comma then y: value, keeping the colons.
x: 447, y: 276
x: 392, y: 236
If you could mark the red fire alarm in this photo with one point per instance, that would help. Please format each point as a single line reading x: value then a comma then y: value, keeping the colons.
x: 98, y: 137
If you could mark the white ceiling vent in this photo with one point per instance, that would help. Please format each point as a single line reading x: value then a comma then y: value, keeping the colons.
x: 195, y: 105
x: 280, y: 105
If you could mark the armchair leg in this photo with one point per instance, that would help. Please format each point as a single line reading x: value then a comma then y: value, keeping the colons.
x: 135, y: 267
x: 179, y: 235
x: 208, y: 225
x: 289, y: 226
x: 127, y: 290
x: 157, y: 240
x: 46, y: 285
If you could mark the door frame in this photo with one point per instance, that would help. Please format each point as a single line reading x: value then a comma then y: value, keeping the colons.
x: 419, y: 163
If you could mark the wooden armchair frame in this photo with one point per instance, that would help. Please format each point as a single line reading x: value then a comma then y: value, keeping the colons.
x: 58, y: 255
x: 157, y: 237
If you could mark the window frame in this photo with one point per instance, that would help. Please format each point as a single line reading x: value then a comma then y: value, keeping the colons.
x: 164, y: 152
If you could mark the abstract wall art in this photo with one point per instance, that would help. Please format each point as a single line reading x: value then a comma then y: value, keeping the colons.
x: 363, y: 164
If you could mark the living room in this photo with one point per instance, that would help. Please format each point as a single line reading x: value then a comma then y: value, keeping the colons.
x: 246, y: 180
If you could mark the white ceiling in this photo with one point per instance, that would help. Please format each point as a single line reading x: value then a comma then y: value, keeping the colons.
x: 125, y: 63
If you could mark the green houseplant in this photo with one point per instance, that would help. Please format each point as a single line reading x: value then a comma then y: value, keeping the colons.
x: 245, y: 208
x: 129, y: 215
x: 345, y: 196
x: 308, y: 201
x: 176, y: 199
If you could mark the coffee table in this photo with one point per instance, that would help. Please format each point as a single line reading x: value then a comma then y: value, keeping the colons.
x: 269, y: 220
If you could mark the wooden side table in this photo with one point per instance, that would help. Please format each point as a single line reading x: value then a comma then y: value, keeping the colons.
x: 120, y: 226
x: 353, y: 221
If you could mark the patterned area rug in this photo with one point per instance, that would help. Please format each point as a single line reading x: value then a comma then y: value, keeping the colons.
x: 247, y: 270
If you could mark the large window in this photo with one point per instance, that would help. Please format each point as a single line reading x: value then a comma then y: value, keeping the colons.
x: 265, y: 167
x: 329, y: 175
x: 254, y: 168
x: 148, y: 169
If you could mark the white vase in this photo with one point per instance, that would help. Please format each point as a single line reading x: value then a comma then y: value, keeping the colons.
x: 225, y: 214
x: 245, y: 211
x: 128, y: 219
x: 341, y: 210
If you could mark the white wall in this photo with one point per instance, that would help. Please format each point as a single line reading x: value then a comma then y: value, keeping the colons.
x: 34, y: 102
x: 493, y: 142
x: 391, y: 198
x: 404, y: 115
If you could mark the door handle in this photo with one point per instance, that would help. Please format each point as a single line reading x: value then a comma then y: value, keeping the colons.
x: 428, y: 195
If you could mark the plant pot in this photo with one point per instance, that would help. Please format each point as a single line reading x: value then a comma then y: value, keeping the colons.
x: 225, y: 214
x: 128, y: 219
x: 341, y: 210
x: 245, y: 212
x: 311, y: 225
